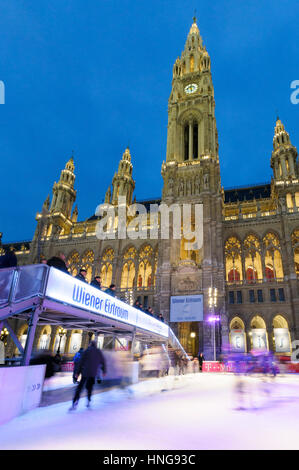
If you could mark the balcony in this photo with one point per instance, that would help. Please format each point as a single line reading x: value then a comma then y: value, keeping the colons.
x: 251, y: 282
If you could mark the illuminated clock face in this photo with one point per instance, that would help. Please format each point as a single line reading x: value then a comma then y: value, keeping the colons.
x: 191, y: 88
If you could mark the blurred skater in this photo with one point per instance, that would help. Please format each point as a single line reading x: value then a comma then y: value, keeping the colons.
x: 91, y: 359
x: 76, y: 360
x: 200, y: 361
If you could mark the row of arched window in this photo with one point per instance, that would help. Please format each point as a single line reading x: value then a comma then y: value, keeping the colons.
x: 138, y: 269
x: 256, y: 336
x: 254, y: 258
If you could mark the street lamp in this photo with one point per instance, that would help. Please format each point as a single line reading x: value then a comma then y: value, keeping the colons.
x: 61, y: 332
x: 213, y: 293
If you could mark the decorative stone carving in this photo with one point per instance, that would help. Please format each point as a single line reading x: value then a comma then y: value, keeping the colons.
x: 186, y: 285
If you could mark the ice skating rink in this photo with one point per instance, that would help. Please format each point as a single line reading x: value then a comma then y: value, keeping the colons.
x: 196, y: 411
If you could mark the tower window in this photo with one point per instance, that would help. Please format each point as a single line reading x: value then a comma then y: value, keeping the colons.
x: 186, y: 142
x: 191, y: 63
x: 195, y: 141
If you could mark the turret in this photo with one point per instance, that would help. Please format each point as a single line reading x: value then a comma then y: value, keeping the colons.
x: 284, y: 154
x: 123, y: 183
x: 64, y: 194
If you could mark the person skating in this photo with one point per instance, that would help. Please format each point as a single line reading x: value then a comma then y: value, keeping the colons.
x: 76, y: 361
x: 200, y: 361
x: 91, y: 359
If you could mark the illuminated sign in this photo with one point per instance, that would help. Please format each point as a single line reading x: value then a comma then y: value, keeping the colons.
x: 65, y: 288
x: 184, y: 308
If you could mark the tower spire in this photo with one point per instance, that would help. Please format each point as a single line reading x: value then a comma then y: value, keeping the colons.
x: 284, y: 155
x: 123, y: 183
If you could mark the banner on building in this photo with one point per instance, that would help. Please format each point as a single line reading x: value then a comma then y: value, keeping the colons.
x: 186, y: 308
x: 259, y: 339
x: 282, y: 340
x: 238, y: 341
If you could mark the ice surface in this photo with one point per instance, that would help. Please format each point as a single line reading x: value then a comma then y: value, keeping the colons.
x: 197, y: 411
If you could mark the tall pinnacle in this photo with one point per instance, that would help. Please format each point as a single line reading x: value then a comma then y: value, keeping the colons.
x: 194, y: 28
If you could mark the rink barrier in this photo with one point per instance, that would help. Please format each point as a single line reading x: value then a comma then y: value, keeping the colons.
x: 20, y: 390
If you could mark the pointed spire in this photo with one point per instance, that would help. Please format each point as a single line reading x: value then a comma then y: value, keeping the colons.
x: 108, y: 195
x: 194, y: 28
x: 281, y: 136
x: 75, y: 214
x: 127, y: 155
x: 70, y: 163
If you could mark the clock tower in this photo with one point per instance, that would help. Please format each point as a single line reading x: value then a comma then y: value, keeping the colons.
x: 191, y: 175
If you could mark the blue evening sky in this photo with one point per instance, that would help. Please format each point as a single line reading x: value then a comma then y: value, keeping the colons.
x: 95, y: 75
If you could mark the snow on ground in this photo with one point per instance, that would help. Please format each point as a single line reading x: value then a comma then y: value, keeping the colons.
x: 197, y: 411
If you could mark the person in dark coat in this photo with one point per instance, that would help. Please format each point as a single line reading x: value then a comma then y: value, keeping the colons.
x: 200, y: 361
x: 91, y: 359
x: 76, y: 360
x: 9, y: 259
x: 111, y: 290
x: 97, y: 282
x: 82, y: 275
x: 160, y: 317
x: 58, y: 262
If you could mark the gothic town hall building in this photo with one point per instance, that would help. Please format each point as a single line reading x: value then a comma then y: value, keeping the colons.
x: 250, y: 250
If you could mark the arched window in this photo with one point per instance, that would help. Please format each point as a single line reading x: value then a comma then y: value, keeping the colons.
x: 289, y: 200
x: 233, y: 262
x: 22, y: 336
x: 87, y: 263
x: 258, y: 334
x: 145, y: 267
x: 295, y: 245
x: 128, y: 275
x: 253, y: 261
x: 281, y: 335
x: 106, y: 267
x: 236, y: 324
x: 195, y: 140
x: 186, y: 142
x: 73, y: 261
x: 191, y: 63
x: 45, y: 338
x: 237, y: 335
x: 272, y: 260
x: 75, y: 341
x: 128, y: 270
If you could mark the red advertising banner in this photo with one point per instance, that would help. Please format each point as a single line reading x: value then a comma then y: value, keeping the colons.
x: 216, y: 366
